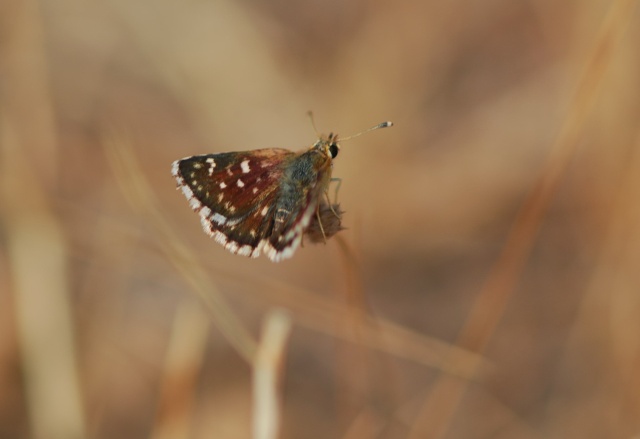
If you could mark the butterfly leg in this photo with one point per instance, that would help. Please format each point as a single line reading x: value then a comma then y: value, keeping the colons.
x: 335, y: 196
x: 324, y: 236
x: 339, y: 183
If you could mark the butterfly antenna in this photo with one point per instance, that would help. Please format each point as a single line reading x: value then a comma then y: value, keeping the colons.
x: 313, y: 123
x: 377, y: 127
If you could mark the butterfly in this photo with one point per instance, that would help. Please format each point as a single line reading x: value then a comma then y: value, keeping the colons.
x: 263, y: 201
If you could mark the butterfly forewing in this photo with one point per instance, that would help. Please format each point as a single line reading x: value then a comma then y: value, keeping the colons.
x: 235, y: 194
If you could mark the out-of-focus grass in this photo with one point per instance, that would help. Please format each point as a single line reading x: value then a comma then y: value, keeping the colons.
x: 120, y: 318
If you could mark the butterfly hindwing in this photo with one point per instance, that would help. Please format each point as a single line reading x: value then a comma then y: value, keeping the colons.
x: 304, y: 182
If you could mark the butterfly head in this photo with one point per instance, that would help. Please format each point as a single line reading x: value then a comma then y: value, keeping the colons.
x: 328, y: 146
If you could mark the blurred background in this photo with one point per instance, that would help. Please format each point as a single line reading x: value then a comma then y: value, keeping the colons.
x: 499, y: 217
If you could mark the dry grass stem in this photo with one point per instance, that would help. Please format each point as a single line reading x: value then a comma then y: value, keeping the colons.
x: 266, y: 372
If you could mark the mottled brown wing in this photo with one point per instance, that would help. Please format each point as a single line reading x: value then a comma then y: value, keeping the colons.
x: 235, y: 194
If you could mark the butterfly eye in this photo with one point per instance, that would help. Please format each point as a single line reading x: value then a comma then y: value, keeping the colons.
x: 333, y: 150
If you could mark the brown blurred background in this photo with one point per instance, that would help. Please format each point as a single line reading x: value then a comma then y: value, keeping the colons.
x: 500, y: 214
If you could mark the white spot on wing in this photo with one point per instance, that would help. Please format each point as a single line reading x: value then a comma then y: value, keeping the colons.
x: 175, y: 168
x: 205, y: 211
x: 220, y: 237
x: 222, y: 185
x: 265, y: 209
x: 232, y: 246
x: 245, y: 166
x: 255, y: 190
x: 212, y: 165
x: 195, y: 204
x: 186, y: 190
x: 240, y: 183
x: 207, y: 226
x: 258, y: 249
x: 217, y: 218
x: 245, y: 250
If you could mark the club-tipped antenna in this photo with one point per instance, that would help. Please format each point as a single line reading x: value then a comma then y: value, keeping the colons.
x: 377, y: 127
